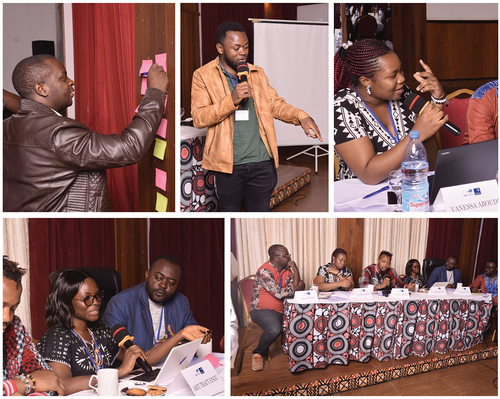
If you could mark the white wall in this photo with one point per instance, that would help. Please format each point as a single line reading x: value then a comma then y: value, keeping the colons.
x: 462, y: 12
x: 22, y: 24
x: 314, y: 12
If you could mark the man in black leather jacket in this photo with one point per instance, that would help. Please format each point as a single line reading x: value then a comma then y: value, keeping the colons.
x: 53, y: 163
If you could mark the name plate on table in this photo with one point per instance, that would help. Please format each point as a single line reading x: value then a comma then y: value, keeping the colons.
x: 361, y: 293
x: 401, y: 293
x: 437, y: 290
x: 462, y: 291
x: 472, y: 197
x: 201, y: 378
x: 306, y: 296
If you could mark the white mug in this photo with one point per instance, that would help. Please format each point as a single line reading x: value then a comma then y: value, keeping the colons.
x: 109, y: 382
x: 204, y: 350
x: 416, y: 287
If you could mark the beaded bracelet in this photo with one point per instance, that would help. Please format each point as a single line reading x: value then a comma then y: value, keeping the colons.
x: 26, y: 382
x: 443, y: 100
x: 33, y: 382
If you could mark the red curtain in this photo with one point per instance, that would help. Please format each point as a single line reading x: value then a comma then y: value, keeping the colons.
x: 199, y: 246
x: 445, y: 238
x: 64, y: 244
x: 488, y: 244
x: 105, y: 76
x: 213, y: 14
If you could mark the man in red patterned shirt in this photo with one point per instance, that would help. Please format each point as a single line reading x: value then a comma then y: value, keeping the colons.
x: 275, y: 280
x: 381, y: 275
x: 24, y: 370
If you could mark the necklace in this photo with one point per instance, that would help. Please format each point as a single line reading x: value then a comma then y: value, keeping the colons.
x: 95, y: 355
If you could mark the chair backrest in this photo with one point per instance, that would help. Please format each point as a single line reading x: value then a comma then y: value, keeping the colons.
x: 367, y: 27
x: 108, y: 280
x: 457, y: 110
x: 429, y: 264
x: 245, y: 286
x: 313, y: 281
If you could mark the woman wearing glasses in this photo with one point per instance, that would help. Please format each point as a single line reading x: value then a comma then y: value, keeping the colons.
x: 77, y: 343
x: 335, y: 276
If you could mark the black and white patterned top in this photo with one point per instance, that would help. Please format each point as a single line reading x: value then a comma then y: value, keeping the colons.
x: 330, y: 277
x: 63, y: 346
x: 353, y: 120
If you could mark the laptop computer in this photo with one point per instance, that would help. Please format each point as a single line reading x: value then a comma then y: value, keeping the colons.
x: 178, y: 359
x: 465, y: 164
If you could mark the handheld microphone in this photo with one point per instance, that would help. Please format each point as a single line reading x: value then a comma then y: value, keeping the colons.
x: 417, y: 104
x: 242, y: 71
x: 387, y: 290
x: 123, y: 338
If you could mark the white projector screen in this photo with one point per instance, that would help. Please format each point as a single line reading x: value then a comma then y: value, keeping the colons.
x: 294, y: 57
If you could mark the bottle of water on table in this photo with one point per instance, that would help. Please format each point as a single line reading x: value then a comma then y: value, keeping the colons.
x: 415, y: 167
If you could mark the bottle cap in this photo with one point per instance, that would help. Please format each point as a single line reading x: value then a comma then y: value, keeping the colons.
x: 414, y: 134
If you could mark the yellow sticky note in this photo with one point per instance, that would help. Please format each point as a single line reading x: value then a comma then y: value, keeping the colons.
x: 160, y: 147
x: 161, y: 203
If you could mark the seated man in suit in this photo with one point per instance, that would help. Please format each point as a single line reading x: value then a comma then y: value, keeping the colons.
x: 154, y: 310
x: 449, y: 272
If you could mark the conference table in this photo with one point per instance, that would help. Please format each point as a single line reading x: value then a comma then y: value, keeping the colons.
x: 197, y: 184
x: 349, y: 193
x: 184, y: 392
x: 346, y: 328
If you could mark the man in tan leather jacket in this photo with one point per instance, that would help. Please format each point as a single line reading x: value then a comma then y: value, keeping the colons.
x: 241, y: 145
x: 53, y: 163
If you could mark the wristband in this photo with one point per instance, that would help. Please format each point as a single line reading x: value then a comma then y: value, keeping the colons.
x: 9, y: 387
x: 33, y: 382
x: 443, y: 100
x: 26, y: 382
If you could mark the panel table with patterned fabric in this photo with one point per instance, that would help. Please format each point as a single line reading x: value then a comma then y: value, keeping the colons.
x: 197, y: 184
x: 318, y: 334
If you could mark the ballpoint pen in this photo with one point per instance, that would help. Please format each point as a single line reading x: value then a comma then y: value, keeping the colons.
x: 376, y: 192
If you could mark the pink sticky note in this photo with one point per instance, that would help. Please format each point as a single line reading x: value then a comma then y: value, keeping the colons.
x: 144, y: 85
x: 162, y: 130
x: 161, y: 59
x: 146, y: 64
x: 137, y: 109
x: 212, y: 359
x: 161, y: 179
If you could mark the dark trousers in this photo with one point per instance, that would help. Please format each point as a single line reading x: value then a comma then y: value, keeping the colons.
x: 270, y: 321
x: 256, y: 179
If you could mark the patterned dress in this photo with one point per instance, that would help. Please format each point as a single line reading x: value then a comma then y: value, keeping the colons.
x: 330, y: 277
x: 353, y: 120
x: 63, y: 346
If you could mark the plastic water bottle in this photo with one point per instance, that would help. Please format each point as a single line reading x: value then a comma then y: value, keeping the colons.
x: 415, y: 167
x: 338, y: 42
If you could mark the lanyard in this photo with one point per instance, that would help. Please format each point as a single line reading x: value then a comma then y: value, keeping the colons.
x: 395, y: 138
x: 96, y: 367
x: 230, y: 76
x: 159, y: 328
x: 282, y: 273
x: 451, y: 276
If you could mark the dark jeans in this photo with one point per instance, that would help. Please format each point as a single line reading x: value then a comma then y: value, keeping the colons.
x: 256, y: 179
x: 270, y: 321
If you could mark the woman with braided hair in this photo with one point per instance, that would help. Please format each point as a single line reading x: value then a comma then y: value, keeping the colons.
x: 371, y: 123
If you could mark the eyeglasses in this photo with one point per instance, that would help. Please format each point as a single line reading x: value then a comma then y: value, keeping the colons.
x: 289, y: 256
x: 89, y: 299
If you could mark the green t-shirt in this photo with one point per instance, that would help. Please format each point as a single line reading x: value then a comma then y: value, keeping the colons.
x: 247, y: 143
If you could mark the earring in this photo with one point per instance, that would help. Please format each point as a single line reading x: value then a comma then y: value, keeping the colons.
x: 368, y: 90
